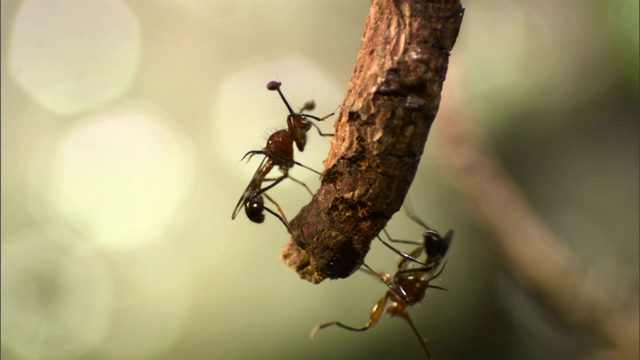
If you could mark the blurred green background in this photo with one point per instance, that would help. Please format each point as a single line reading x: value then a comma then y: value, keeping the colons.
x: 123, y: 125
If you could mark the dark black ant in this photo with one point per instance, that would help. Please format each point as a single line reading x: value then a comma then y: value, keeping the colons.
x: 409, y: 284
x: 434, y: 244
x: 277, y: 152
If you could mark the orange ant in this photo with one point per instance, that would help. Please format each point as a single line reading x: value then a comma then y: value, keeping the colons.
x: 409, y: 284
x: 277, y: 152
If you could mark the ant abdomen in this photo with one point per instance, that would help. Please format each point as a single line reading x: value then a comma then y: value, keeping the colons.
x: 254, y: 209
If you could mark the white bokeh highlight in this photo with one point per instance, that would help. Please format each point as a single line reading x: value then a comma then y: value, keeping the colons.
x: 122, y: 176
x: 72, y: 55
x: 57, y: 295
x: 153, y: 301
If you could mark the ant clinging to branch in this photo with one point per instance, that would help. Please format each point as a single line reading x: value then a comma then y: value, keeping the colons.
x: 278, y: 152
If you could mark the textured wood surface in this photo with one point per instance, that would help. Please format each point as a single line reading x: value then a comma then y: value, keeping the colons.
x: 393, y: 98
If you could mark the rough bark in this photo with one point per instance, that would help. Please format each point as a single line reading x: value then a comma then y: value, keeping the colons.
x: 393, y: 98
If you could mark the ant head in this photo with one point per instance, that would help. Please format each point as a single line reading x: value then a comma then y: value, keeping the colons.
x: 298, y: 127
x: 435, y: 245
x: 254, y: 208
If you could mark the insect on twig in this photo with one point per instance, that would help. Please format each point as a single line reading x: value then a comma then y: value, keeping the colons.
x: 409, y: 284
x: 278, y: 152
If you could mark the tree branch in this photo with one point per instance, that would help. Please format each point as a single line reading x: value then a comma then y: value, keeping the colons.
x: 393, y: 98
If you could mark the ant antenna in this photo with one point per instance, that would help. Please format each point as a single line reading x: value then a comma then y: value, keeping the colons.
x: 275, y: 86
x: 408, y: 208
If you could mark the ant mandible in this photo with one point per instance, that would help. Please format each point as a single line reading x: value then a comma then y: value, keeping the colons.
x: 409, y: 284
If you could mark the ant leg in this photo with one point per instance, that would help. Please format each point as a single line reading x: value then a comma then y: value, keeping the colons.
x: 415, y: 331
x: 400, y: 253
x: 411, y: 242
x: 301, y: 183
x: 370, y: 271
x: 284, y: 160
x: 282, y: 218
x: 326, y: 116
x: 306, y: 167
x: 439, y: 272
x: 405, y: 262
x: 377, y: 311
x: 318, y: 118
x: 275, y: 182
x: 290, y: 177
x: 318, y: 128
x: 412, y: 215
x: 385, y: 280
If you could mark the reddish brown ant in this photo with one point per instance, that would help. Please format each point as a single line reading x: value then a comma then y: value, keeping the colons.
x: 409, y: 284
x: 277, y: 152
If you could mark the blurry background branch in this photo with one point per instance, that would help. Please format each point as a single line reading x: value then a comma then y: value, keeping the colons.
x: 529, y: 249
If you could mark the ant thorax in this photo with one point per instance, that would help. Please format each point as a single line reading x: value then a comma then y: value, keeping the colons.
x: 279, y: 148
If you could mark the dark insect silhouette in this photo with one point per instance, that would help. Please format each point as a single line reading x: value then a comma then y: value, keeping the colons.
x: 434, y: 244
x: 278, y: 153
x: 409, y: 284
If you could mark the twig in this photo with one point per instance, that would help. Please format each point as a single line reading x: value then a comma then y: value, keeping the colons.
x: 393, y: 98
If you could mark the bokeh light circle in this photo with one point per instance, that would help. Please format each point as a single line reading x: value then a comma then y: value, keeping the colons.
x: 153, y: 301
x: 57, y: 295
x: 72, y: 55
x: 122, y: 176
